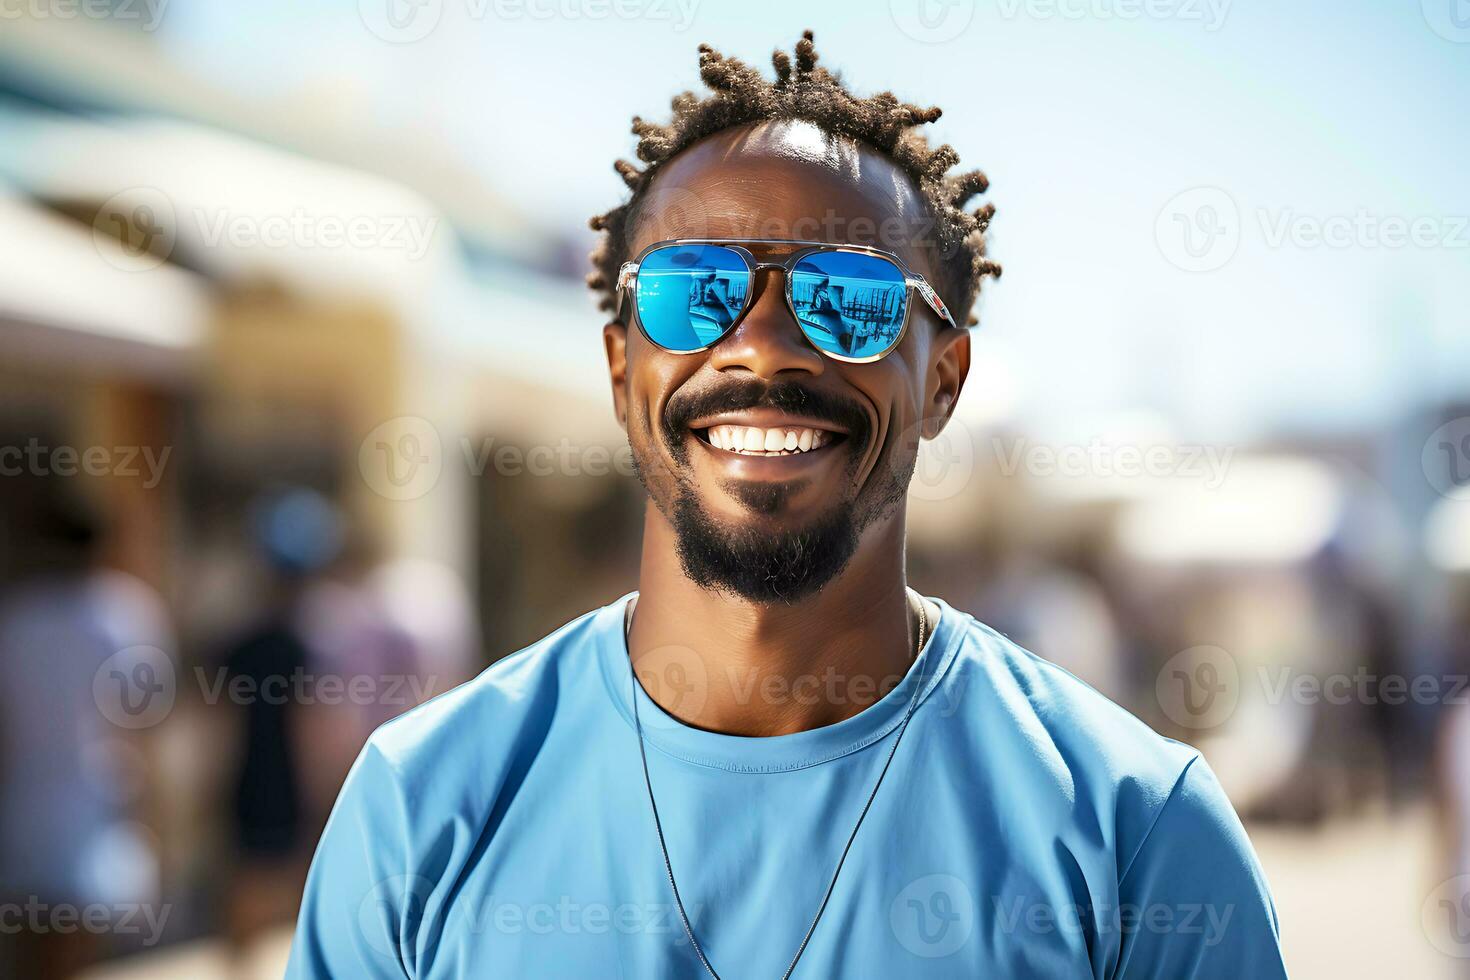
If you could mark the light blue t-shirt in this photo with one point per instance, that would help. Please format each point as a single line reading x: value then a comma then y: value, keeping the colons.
x: 1028, y: 827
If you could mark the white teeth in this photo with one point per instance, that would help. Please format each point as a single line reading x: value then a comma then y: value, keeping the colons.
x: 752, y: 441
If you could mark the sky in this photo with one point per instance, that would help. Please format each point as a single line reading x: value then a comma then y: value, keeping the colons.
x: 1240, y: 216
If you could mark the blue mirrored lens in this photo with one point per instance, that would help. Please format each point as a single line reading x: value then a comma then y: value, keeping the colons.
x: 689, y: 295
x: 849, y: 303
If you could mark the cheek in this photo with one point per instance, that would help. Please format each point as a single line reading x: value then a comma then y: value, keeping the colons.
x: 653, y: 376
x: 892, y: 390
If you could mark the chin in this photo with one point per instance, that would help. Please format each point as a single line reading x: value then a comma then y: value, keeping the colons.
x: 763, y: 558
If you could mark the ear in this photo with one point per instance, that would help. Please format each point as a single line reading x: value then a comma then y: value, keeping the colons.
x: 615, y: 341
x: 949, y: 365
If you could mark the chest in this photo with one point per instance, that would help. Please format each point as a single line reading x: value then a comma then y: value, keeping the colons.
x: 936, y: 882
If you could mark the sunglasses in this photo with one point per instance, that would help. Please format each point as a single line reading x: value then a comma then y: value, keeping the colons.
x: 850, y: 301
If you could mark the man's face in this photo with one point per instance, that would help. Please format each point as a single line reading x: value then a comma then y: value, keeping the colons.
x: 772, y: 527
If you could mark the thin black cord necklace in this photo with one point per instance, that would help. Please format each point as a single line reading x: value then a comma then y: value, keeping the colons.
x: 658, y: 825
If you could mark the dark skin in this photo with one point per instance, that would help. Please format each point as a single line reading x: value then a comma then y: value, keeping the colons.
x: 767, y: 669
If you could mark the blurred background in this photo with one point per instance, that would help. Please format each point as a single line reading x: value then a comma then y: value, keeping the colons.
x: 303, y: 416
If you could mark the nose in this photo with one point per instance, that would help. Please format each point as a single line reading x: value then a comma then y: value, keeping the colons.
x: 767, y: 340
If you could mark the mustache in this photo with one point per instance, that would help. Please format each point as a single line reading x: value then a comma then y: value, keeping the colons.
x: 684, y: 407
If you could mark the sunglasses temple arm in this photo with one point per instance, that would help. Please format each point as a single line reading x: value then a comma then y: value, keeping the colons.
x: 932, y: 298
x: 627, y: 273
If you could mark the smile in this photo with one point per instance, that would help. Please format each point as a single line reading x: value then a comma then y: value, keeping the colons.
x: 764, y: 432
x: 749, y: 440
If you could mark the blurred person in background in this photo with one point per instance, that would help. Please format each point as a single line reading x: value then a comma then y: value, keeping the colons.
x: 343, y: 644
x: 1361, y: 749
x: 297, y: 533
x: 655, y: 789
x: 1451, y: 756
x: 396, y: 634
x: 83, y: 658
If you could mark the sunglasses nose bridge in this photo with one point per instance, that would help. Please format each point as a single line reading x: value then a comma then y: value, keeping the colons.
x: 767, y: 339
x: 775, y: 288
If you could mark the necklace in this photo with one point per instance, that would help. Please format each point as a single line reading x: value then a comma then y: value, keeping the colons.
x: 664, y: 847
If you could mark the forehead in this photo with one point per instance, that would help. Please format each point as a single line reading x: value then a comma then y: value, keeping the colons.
x: 786, y: 180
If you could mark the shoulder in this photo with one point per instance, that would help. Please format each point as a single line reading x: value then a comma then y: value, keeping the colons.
x: 1058, y: 712
x: 1069, y: 750
x: 1086, y: 771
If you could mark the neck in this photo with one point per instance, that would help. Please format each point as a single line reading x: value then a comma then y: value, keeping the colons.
x: 773, y: 669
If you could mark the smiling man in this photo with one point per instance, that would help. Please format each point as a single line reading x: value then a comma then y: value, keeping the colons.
x: 775, y: 758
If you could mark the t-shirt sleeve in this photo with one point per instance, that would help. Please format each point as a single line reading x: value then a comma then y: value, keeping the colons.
x: 1193, y: 902
x: 358, y: 912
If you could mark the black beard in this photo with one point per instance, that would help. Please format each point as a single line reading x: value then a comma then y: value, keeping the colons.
x: 768, y: 567
x: 763, y: 566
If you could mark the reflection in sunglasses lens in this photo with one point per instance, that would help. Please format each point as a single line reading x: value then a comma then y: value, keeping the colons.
x: 689, y: 295
x: 848, y: 303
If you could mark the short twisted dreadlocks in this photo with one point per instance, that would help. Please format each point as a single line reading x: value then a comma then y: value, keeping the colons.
x: 740, y: 94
